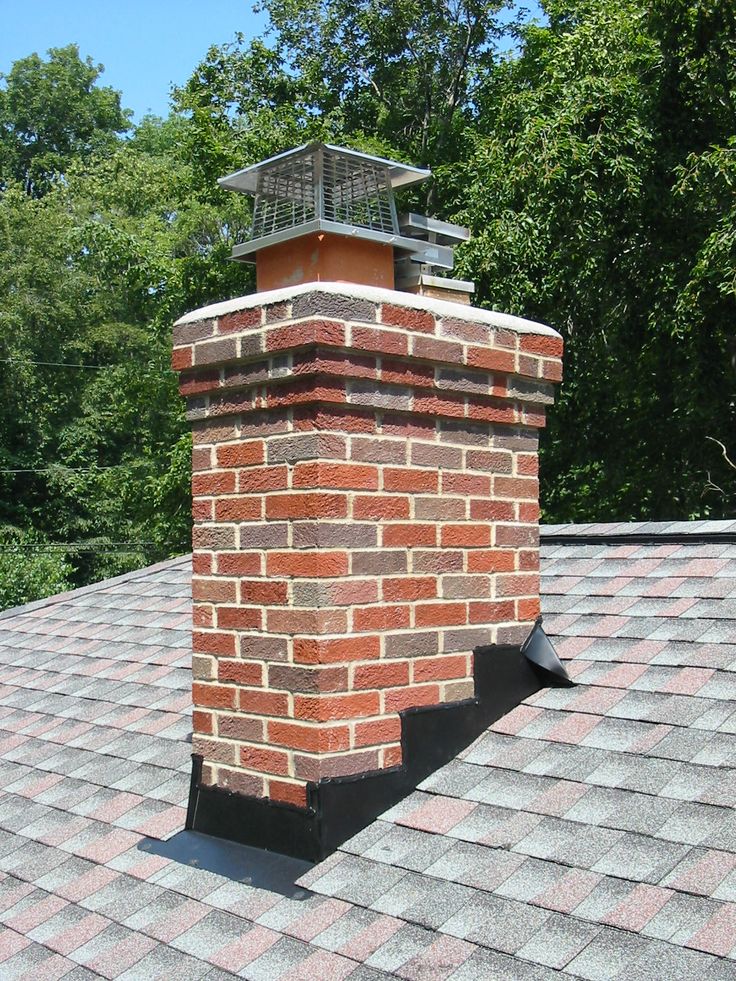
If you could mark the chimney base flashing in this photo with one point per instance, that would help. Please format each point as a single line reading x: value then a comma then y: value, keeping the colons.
x: 340, y: 807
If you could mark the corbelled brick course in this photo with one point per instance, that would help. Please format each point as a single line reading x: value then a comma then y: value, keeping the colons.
x: 365, y: 503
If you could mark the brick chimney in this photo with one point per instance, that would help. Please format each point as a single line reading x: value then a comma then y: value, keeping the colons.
x: 365, y: 518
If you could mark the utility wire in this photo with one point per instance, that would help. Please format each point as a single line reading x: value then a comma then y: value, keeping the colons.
x: 69, y: 364
x: 77, y: 546
x: 60, y: 466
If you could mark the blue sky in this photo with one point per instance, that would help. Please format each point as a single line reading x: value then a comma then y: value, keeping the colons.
x: 145, y: 45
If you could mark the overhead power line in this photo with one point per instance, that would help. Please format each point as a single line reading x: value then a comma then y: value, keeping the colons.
x: 77, y: 546
x: 60, y: 466
x: 72, y: 364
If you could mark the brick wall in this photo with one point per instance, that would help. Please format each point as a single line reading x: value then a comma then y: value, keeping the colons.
x: 366, y: 508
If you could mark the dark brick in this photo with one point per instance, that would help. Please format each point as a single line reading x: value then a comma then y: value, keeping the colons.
x: 379, y: 563
x: 334, y: 306
x: 197, y: 330
x: 268, y: 535
x: 309, y: 534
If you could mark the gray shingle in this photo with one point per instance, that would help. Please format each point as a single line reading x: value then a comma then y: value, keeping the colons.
x: 492, y: 921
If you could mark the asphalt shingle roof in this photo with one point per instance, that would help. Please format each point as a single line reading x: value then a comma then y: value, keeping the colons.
x: 590, y: 833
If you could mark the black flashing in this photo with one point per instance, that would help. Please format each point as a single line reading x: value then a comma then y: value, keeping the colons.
x: 341, y: 806
x: 538, y: 649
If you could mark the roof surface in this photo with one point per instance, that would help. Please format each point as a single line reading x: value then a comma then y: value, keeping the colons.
x: 590, y: 833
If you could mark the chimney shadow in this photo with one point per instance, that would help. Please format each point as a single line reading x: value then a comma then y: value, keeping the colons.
x: 254, y: 867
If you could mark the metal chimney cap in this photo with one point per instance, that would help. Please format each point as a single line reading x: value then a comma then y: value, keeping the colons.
x: 246, y: 180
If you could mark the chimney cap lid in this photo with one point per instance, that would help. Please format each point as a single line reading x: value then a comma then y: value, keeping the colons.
x: 399, y: 174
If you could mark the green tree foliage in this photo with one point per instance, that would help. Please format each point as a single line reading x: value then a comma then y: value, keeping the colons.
x: 51, y: 112
x: 603, y: 204
x: 30, y: 568
x: 594, y: 158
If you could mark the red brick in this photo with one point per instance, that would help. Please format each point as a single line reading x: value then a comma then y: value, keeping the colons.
x: 260, y: 702
x: 261, y: 479
x: 337, y: 650
x: 309, y: 738
x: 239, y: 617
x: 213, y: 696
x: 238, y: 782
x: 528, y: 560
x: 517, y: 488
x: 238, y: 563
x: 240, y: 672
x: 376, y: 731
x: 324, y: 708
x: 240, y: 320
x: 203, y: 563
x: 258, y: 591
x: 527, y: 609
x: 488, y: 510
x: 307, y: 505
x: 407, y: 373
x: 288, y: 621
x: 193, y: 383
x: 384, y: 674
x: 536, y: 344
x: 239, y: 509
x: 392, y: 756
x: 474, y: 485
x: 203, y: 615
x: 354, y: 591
x: 292, y: 677
x: 410, y: 588
x: 434, y: 350
x: 381, y: 618
x: 381, y: 506
x: 528, y: 512
x: 384, y: 341
x: 440, y: 405
x: 213, y: 749
x: 411, y: 481
x: 525, y: 585
x: 491, y: 612
x: 214, y: 590
x: 241, y: 454
x: 411, y: 697
x: 265, y: 760
x: 203, y: 722
x: 551, y: 370
x: 517, y: 535
x: 465, y: 536
x: 440, y: 668
x: 492, y: 560
x: 440, y: 614
x: 244, y: 728
x: 181, y: 358
x: 338, y: 475
x: 214, y: 483
x: 213, y: 642
x: 311, y: 565
x: 527, y: 464
x: 409, y: 536
x: 306, y: 332
x: 491, y: 359
x: 203, y: 509
x: 419, y: 320
x: 288, y: 793
x: 303, y: 391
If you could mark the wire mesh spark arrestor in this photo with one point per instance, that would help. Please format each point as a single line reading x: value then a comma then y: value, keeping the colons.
x: 326, y: 213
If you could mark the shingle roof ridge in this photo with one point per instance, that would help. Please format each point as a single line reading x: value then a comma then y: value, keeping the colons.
x: 94, y: 587
x: 640, y: 532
